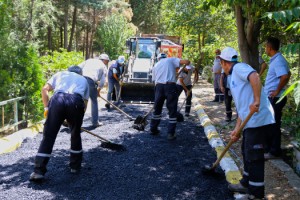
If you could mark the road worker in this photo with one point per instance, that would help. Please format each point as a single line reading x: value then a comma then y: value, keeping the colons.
x: 164, y: 76
x: 71, y: 93
x: 114, y: 79
x: 248, y: 95
x: 184, y: 82
x: 95, y: 71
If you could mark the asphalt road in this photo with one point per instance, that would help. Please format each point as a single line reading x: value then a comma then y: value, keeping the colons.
x: 151, y: 167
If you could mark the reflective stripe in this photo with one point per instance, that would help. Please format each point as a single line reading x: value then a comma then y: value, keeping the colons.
x: 172, y: 122
x: 173, y: 119
x: 246, y: 173
x: 156, y: 117
x: 43, y: 155
x: 73, y: 151
x: 257, y: 184
x: 187, y: 105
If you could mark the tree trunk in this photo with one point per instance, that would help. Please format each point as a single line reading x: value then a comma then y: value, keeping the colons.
x: 248, y: 35
x: 87, y: 43
x: 49, y: 35
x: 74, y: 20
x: 92, y: 33
x: 66, y: 18
x: 61, y: 37
x: 29, y: 30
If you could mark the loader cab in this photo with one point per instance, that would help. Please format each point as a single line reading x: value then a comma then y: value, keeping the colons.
x: 142, y: 54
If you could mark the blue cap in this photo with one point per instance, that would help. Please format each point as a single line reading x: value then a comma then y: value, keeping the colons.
x: 121, y: 59
x: 75, y: 69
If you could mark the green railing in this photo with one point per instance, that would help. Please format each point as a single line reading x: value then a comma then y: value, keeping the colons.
x: 16, y: 121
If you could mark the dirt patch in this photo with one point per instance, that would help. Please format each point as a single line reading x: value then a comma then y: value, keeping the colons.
x: 277, y: 186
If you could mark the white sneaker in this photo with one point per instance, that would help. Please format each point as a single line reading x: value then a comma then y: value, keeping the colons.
x: 36, y: 177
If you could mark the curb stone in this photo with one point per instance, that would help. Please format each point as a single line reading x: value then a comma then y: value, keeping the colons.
x: 14, y: 141
x: 232, y: 172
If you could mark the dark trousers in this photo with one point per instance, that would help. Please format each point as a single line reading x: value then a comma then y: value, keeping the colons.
x: 61, y: 106
x: 253, y: 157
x: 188, y: 102
x: 273, y: 141
x: 228, y: 100
x: 165, y: 92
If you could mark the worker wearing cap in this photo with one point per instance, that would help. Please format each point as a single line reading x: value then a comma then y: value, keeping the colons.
x: 248, y: 95
x: 216, y: 69
x: 71, y: 93
x: 184, y: 82
x: 114, y: 79
x: 164, y: 76
x: 95, y: 71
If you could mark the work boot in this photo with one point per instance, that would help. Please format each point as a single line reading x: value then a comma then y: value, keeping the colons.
x: 228, y: 119
x: 249, y: 197
x: 237, y: 188
x: 36, y: 177
x: 269, y: 156
x: 172, y: 136
x: 107, y: 106
x: 154, y: 132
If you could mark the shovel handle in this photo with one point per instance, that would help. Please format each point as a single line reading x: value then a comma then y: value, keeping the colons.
x: 117, y: 108
x: 231, y: 141
x: 101, y: 138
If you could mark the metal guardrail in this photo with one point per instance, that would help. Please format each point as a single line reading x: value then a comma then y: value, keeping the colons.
x: 16, y: 120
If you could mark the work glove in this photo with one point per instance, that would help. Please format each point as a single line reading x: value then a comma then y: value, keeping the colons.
x: 45, y: 112
x: 188, y: 93
x: 121, y: 83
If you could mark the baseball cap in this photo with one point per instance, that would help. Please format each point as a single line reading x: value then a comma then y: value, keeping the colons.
x: 75, y: 69
x: 188, y: 67
x: 121, y: 59
x: 104, y: 57
x: 161, y: 55
x: 229, y: 54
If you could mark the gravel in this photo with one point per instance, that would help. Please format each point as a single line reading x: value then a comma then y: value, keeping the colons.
x: 151, y: 167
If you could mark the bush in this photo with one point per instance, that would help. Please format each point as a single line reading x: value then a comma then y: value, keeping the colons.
x: 207, y: 74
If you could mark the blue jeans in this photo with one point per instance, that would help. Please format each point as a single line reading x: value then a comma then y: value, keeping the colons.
x: 94, y: 102
x: 111, y: 85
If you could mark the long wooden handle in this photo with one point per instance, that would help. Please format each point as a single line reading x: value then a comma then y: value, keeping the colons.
x: 239, y: 132
x: 117, y: 108
x: 101, y: 138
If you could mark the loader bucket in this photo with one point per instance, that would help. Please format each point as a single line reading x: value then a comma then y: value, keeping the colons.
x: 137, y: 92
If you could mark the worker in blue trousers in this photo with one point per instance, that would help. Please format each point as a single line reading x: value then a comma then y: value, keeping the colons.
x: 71, y: 93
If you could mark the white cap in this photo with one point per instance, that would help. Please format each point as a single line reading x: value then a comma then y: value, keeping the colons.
x: 121, y: 59
x: 161, y: 55
x: 188, y: 67
x: 103, y: 57
x: 229, y: 54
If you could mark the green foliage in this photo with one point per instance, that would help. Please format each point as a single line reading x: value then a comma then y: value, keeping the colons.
x: 112, y: 34
x: 147, y: 15
x: 295, y: 87
x: 207, y: 74
x: 58, y: 61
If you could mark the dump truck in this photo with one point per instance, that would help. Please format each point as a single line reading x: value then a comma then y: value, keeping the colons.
x: 138, y: 86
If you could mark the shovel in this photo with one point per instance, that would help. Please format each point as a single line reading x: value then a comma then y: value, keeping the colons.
x: 140, y: 122
x: 106, y: 143
x: 208, y: 169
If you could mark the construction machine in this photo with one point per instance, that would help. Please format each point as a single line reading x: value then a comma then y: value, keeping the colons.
x: 138, y: 86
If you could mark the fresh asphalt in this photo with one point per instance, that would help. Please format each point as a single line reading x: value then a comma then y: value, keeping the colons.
x: 151, y: 167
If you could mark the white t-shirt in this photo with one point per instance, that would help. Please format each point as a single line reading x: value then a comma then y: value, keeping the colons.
x: 164, y: 70
x: 94, y: 69
x: 70, y: 82
x: 242, y: 93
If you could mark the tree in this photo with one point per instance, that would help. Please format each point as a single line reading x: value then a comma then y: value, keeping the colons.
x: 112, y: 34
